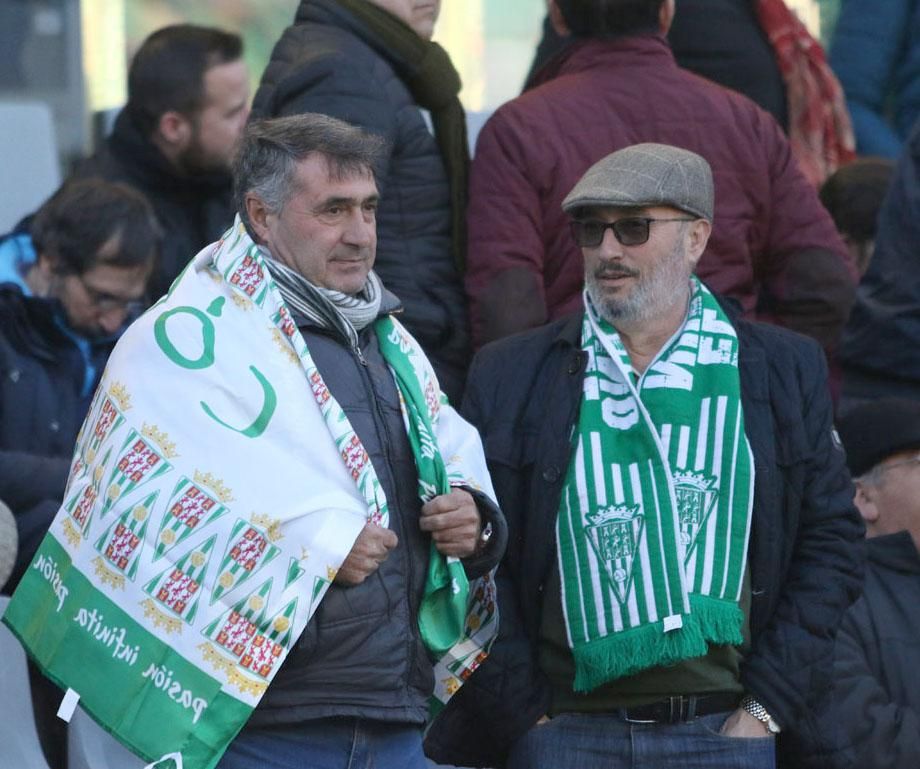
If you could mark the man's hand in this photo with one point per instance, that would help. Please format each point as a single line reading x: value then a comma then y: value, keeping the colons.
x: 743, y: 724
x: 454, y: 523
x: 371, y: 548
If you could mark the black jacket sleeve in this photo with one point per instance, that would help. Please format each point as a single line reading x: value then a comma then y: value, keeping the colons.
x: 880, y: 733
x: 26, y: 479
x: 789, y: 669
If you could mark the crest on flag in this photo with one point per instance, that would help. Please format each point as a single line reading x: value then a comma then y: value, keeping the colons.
x: 246, y: 644
x: 249, y: 277
x: 356, y: 458
x: 120, y: 547
x: 696, y: 496
x: 614, y: 533
x: 194, y: 503
x: 110, y: 416
x: 82, y: 504
x: 143, y: 457
x: 176, y: 592
x: 250, y: 547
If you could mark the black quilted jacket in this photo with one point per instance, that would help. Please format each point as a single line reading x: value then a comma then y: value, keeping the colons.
x: 329, y: 62
x: 805, y: 551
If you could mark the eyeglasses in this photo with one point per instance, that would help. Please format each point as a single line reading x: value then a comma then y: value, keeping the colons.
x: 880, y: 469
x: 105, y: 302
x: 630, y: 230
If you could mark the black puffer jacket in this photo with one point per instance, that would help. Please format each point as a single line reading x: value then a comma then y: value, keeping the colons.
x: 42, y: 405
x: 361, y: 655
x: 330, y: 63
x: 805, y: 558
x: 192, y: 210
x: 876, y: 662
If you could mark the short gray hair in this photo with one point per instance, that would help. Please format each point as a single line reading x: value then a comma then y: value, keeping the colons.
x: 270, y: 149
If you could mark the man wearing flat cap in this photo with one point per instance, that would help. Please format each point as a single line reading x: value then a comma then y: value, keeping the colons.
x: 682, y: 536
x: 878, y: 647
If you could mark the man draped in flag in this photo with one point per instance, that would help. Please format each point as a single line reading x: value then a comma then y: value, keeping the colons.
x: 278, y: 536
x: 683, y: 539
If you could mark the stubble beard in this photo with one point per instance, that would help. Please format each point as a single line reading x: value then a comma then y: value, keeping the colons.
x: 658, y: 289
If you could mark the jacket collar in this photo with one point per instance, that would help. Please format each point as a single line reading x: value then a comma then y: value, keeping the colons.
x: 330, y: 13
x: 137, y: 152
x: 752, y: 364
x: 894, y: 551
x: 650, y: 49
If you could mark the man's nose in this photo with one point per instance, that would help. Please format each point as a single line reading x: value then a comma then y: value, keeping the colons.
x: 361, y: 230
x: 610, y: 247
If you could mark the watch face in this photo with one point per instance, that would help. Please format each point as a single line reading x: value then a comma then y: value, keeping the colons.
x: 772, y: 726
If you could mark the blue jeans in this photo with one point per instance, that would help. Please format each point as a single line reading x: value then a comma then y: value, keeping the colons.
x: 328, y: 743
x: 587, y: 741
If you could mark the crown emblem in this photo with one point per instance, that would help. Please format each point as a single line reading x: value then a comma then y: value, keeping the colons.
x: 214, y: 484
x: 120, y: 395
x: 613, y: 513
x: 161, y: 439
x: 272, y: 526
x: 693, y: 480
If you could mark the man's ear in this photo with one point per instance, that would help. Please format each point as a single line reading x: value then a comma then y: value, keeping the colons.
x: 174, y: 129
x: 258, y: 215
x: 557, y: 20
x: 865, y: 501
x: 46, y: 266
x: 697, y: 237
x: 666, y: 16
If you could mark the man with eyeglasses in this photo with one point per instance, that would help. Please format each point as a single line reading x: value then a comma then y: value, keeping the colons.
x: 682, y: 536
x: 71, y: 279
x: 878, y: 647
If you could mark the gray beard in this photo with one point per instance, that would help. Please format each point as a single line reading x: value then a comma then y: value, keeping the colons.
x: 656, y: 290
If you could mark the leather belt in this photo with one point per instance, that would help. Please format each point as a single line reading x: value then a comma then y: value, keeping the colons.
x: 679, y: 709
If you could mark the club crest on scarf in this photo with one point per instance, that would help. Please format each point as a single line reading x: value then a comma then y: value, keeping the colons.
x: 696, y: 498
x: 614, y: 532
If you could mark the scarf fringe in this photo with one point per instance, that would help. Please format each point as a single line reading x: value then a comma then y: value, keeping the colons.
x: 713, y: 621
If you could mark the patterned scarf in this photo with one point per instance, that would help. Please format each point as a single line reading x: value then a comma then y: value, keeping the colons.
x: 655, y: 514
x: 324, y: 307
x: 819, y: 124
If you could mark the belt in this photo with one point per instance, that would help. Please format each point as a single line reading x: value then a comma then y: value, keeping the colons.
x: 679, y: 709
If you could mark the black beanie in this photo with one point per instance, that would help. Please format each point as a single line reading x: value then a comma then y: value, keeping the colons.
x: 875, y: 431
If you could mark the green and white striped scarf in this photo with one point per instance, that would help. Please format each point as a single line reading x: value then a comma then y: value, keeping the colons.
x: 655, y: 515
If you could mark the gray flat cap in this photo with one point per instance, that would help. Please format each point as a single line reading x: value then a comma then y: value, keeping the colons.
x: 647, y: 175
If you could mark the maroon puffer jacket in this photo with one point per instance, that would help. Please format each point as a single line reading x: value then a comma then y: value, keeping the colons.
x: 773, y: 247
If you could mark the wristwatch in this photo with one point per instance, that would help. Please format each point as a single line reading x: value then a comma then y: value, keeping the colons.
x: 752, y: 706
x: 484, y: 536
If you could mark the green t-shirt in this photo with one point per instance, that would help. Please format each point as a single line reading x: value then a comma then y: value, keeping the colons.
x: 716, y: 672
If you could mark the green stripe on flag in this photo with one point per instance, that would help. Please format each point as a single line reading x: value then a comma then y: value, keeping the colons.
x: 123, y: 673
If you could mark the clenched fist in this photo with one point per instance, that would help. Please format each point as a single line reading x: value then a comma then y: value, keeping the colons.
x: 371, y: 549
x: 454, y: 522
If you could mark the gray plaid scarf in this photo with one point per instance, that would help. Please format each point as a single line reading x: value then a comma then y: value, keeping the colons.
x: 342, y: 313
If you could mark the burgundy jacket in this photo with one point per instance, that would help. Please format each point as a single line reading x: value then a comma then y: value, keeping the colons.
x: 773, y: 247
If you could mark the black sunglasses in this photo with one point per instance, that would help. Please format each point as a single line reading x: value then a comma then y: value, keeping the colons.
x: 630, y: 230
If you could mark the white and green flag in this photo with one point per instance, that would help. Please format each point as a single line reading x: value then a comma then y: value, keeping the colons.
x: 216, y: 487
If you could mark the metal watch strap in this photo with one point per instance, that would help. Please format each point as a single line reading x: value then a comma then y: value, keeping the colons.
x: 752, y: 706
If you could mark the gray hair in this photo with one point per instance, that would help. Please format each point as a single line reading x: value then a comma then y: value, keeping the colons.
x: 269, y: 151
